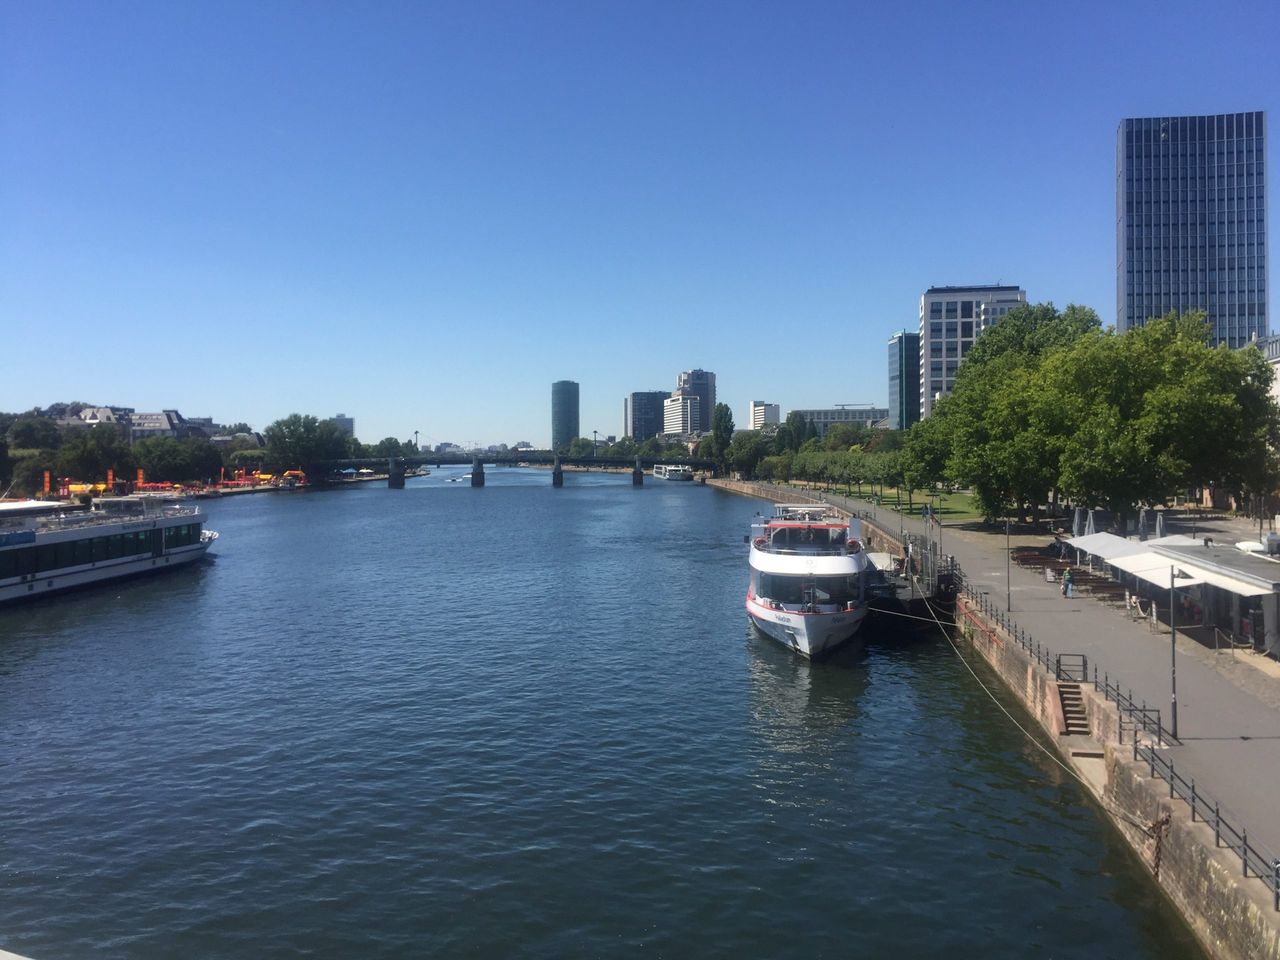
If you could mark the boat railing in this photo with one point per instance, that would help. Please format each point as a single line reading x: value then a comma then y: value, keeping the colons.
x: 68, y: 521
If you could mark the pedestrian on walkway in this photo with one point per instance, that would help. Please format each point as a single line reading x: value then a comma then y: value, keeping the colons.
x: 1068, y: 582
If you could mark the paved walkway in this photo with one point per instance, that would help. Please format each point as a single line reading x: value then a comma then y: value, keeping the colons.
x: 1228, y: 707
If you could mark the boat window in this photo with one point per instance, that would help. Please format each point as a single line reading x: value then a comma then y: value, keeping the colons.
x: 837, y: 589
x: 782, y: 589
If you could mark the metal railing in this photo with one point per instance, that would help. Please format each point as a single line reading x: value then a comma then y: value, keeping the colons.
x: 1138, y: 718
x: 1254, y: 860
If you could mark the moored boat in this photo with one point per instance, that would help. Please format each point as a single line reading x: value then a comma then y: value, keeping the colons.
x: 46, y: 547
x: 808, y: 573
x: 673, y: 471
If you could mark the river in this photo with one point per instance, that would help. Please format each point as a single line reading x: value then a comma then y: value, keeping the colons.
x: 520, y: 721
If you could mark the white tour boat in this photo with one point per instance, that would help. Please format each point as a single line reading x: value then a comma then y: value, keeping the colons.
x: 673, y: 471
x: 808, y: 572
x: 46, y: 547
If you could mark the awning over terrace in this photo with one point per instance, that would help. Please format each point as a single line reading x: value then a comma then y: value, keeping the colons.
x: 1105, y: 545
x: 1156, y: 569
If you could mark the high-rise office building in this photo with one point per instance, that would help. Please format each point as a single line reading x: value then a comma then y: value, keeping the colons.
x: 951, y: 319
x: 1191, y: 222
x: 904, y: 380
x: 764, y: 415
x: 703, y: 384
x: 680, y: 413
x: 346, y: 424
x: 564, y: 414
x: 642, y: 414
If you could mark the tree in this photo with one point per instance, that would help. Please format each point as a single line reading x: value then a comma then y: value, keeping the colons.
x: 1156, y: 409
x: 88, y: 454
x: 34, y: 433
x: 842, y: 436
x: 927, y: 450
x: 998, y: 421
x: 163, y: 459
x: 746, y: 450
x: 235, y: 428
x: 6, y: 467
x: 721, y: 435
x: 206, y: 459
x: 300, y: 442
x: 387, y: 447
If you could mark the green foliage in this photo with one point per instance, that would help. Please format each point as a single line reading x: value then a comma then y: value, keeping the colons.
x: 299, y: 442
x: 87, y: 454
x: 721, y: 435
x: 746, y: 450
x: 28, y: 471
x: 1048, y: 401
x: 235, y: 428
x: 166, y: 460
x: 6, y: 466
x: 1002, y: 444
x: 776, y: 467
x: 37, y: 433
x: 842, y: 436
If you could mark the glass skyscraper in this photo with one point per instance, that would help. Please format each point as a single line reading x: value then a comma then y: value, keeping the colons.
x: 1191, y: 222
x: 564, y: 414
x: 904, y: 380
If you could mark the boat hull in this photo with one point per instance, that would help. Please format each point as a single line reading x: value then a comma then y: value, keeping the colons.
x: 58, y: 581
x: 808, y: 634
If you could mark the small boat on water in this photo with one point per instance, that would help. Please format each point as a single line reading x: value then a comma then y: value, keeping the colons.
x: 808, y: 573
x: 48, y: 547
x: 673, y: 471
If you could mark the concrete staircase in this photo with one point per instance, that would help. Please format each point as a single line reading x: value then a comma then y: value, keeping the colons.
x: 1075, y: 723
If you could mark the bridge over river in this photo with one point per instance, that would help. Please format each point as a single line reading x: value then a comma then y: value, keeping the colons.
x: 395, y: 466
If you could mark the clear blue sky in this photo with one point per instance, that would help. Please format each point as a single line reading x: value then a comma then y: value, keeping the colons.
x: 421, y: 214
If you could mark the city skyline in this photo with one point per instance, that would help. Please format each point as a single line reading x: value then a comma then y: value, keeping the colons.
x: 454, y: 212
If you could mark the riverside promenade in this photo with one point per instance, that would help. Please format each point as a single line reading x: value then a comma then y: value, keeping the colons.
x: 1228, y: 705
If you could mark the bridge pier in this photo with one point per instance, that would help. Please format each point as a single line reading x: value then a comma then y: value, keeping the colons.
x: 477, y: 472
x: 637, y: 474
x: 395, y: 474
x: 557, y: 474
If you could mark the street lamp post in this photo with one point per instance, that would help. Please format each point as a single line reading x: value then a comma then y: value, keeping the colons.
x: 593, y: 443
x: 1173, y: 657
x: 1008, y: 590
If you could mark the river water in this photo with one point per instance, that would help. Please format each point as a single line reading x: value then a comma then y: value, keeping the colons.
x: 520, y: 722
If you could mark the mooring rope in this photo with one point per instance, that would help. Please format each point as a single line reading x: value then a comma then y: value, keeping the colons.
x: 1046, y: 750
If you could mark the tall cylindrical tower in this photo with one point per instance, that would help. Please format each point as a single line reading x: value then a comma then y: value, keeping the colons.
x: 564, y: 414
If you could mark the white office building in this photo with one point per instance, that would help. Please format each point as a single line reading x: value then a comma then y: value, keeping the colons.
x: 764, y: 414
x: 680, y: 413
x: 951, y: 319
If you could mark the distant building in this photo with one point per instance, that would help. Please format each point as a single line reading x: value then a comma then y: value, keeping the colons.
x: 1191, y: 222
x: 904, y: 380
x: 167, y: 423
x: 860, y: 415
x: 951, y: 319
x: 680, y: 413
x: 564, y: 414
x: 764, y: 415
x: 701, y: 383
x: 642, y: 414
x: 344, y: 423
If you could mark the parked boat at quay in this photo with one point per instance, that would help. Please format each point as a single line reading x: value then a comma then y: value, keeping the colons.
x: 673, y: 471
x: 48, y: 547
x: 808, y: 573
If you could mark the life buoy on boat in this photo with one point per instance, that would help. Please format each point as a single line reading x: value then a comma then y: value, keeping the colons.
x: 854, y: 546
x: 760, y: 542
